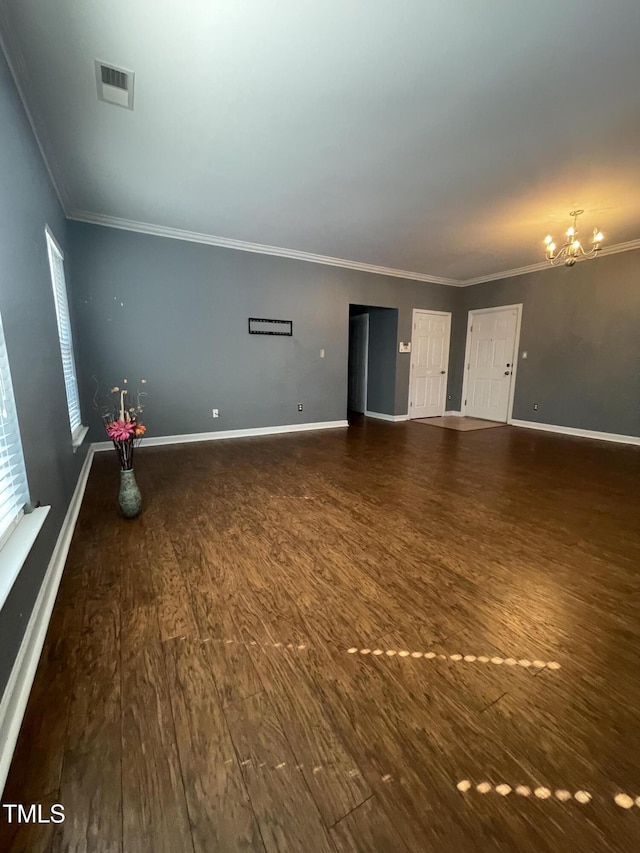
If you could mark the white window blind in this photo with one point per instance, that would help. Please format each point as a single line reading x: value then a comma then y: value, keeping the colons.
x: 56, y: 263
x: 13, y: 477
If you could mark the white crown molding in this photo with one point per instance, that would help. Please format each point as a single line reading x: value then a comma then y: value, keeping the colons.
x: 15, y: 61
x: 244, y: 246
x: 580, y: 433
x: 545, y: 265
x: 259, y: 248
x: 481, y: 279
x: 620, y: 247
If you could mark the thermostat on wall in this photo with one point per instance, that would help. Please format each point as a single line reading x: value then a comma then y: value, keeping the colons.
x: 405, y: 347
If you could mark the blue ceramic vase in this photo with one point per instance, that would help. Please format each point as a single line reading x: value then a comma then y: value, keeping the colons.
x: 130, y: 499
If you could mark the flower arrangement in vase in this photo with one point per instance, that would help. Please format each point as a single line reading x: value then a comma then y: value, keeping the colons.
x: 122, y: 418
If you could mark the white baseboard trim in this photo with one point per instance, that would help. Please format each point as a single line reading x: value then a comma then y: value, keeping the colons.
x: 16, y: 694
x: 186, y: 438
x: 581, y: 433
x: 382, y: 417
x: 454, y: 414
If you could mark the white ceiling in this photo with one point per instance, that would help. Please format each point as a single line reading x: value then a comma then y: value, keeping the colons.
x: 444, y: 138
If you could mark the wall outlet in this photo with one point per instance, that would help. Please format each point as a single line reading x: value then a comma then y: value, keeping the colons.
x: 299, y: 407
x: 449, y: 397
x: 216, y: 413
x: 535, y: 407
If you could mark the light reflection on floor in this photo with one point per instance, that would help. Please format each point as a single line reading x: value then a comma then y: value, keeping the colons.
x: 562, y: 794
x: 496, y: 661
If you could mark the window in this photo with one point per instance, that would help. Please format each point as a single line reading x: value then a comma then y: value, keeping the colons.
x: 13, y: 477
x: 56, y: 263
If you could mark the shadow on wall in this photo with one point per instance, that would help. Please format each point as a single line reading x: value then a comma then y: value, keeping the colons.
x: 373, y: 336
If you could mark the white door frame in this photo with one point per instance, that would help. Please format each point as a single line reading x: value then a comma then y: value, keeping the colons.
x: 516, y: 354
x: 366, y: 360
x: 413, y: 324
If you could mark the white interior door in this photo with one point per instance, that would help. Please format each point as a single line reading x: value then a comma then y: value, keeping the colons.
x: 490, y: 363
x: 429, y: 364
x: 358, y: 358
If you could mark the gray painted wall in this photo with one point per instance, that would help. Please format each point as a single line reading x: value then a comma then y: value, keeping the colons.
x: 27, y: 202
x: 176, y: 314
x: 581, y: 330
x: 382, y: 361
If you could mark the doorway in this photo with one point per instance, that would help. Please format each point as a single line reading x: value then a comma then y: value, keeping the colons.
x: 429, y: 363
x: 373, y: 343
x: 493, y: 338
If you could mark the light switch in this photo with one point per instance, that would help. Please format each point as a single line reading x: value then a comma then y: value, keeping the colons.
x: 321, y: 353
x: 525, y: 354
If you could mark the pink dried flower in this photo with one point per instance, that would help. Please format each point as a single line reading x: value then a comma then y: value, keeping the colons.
x: 120, y: 430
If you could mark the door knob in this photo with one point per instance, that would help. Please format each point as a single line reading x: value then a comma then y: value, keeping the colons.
x: 443, y: 371
x: 507, y: 373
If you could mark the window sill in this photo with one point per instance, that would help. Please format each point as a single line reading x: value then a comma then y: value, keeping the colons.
x: 79, y: 437
x: 16, y: 549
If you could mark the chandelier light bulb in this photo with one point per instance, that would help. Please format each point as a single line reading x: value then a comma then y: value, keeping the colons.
x: 571, y: 249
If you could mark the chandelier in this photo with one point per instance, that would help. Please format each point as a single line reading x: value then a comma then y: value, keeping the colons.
x: 572, y: 249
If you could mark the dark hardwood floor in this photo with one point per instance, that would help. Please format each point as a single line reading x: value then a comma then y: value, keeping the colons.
x: 206, y: 686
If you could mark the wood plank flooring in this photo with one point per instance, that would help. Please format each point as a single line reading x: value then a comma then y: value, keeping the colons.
x: 196, y: 692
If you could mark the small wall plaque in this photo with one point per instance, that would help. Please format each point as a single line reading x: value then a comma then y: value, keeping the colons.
x: 259, y: 326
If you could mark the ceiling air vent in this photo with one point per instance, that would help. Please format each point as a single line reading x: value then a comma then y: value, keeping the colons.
x: 115, y: 85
